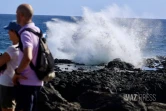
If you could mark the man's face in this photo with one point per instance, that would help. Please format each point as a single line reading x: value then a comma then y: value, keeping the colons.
x: 19, y: 17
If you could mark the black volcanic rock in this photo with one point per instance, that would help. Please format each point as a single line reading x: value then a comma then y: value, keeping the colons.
x: 66, y: 61
x: 101, y: 101
x: 56, y: 61
x: 104, y: 90
x: 117, y: 63
x: 56, y: 68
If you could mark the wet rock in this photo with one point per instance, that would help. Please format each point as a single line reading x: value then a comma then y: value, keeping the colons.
x: 66, y: 61
x: 103, y: 90
x: 51, y: 100
x: 155, y: 106
x: 56, y: 61
x: 80, y: 68
x: 56, y: 68
x: 152, y: 63
x: 100, y: 101
x: 117, y: 63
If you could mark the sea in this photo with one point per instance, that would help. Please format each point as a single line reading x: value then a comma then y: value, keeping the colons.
x: 39, y: 20
x: 97, y: 39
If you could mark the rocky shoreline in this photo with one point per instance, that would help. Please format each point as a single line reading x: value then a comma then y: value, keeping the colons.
x: 116, y: 87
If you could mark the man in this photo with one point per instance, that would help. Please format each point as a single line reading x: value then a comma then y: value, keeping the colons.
x: 26, y: 93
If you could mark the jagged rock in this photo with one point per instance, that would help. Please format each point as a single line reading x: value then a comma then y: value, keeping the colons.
x: 63, y: 61
x: 66, y: 61
x: 155, y: 106
x: 56, y: 68
x: 117, y: 63
x: 51, y: 100
x: 101, y: 101
x: 102, y: 90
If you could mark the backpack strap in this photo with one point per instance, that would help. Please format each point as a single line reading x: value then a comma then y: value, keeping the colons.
x: 38, y: 35
x: 34, y: 32
x: 30, y: 30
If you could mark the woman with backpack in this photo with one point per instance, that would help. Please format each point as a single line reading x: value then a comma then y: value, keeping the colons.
x: 10, y: 59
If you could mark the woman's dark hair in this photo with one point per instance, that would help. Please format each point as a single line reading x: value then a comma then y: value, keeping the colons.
x: 15, y: 32
x: 20, y: 43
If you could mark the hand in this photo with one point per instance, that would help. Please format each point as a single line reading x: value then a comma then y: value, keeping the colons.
x: 16, y: 78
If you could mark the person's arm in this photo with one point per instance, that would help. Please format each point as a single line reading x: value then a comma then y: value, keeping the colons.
x: 4, y: 59
x: 27, y: 51
x: 27, y: 58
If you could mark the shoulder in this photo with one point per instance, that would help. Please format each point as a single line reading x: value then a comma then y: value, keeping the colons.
x: 12, y: 51
x: 26, y: 36
x: 12, y: 48
x: 25, y: 32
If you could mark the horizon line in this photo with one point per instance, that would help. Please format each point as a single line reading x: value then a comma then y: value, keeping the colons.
x: 81, y: 16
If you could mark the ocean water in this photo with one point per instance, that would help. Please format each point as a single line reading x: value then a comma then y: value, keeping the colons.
x: 96, y: 38
x: 39, y: 20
